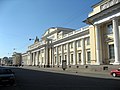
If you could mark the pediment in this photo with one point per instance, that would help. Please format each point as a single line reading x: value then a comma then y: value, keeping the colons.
x: 50, y: 30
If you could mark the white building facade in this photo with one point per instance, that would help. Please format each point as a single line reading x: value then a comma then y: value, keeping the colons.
x: 96, y: 44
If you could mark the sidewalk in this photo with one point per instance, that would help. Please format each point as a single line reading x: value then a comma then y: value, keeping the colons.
x: 73, y: 71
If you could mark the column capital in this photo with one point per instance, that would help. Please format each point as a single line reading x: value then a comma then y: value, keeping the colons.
x: 97, y: 24
x: 114, y: 18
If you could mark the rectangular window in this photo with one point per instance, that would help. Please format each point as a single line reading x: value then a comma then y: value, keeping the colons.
x: 71, y: 44
x: 71, y: 58
x: 109, y: 28
x: 79, y: 57
x: 88, y: 56
x: 54, y: 49
x: 111, y: 52
x: 42, y: 59
x: 65, y: 57
x: 42, y: 51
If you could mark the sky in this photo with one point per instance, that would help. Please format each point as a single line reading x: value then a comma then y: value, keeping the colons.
x: 21, y: 20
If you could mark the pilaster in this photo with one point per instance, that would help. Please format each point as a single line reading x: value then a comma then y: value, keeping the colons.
x: 83, y: 51
x: 116, y: 41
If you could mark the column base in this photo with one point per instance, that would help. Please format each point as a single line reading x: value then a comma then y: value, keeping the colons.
x: 95, y: 64
x: 116, y: 63
x: 82, y: 64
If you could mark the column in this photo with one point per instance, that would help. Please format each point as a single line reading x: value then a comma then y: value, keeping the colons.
x: 52, y: 56
x: 74, y: 53
x: 98, y: 46
x: 83, y: 51
x: 39, y: 60
x: 47, y: 56
x: 68, y: 54
x: 57, y: 56
x: 44, y: 61
x: 31, y: 59
x: 116, y: 40
x: 37, y: 57
x: 33, y: 63
x: 62, y: 56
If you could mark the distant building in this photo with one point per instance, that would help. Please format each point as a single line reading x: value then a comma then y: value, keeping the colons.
x: 25, y: 59
x: 10, y: 61
x: 17, y: 59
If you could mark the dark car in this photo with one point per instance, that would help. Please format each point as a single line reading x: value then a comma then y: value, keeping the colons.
x: 7, y: 77
x: 115, y: 73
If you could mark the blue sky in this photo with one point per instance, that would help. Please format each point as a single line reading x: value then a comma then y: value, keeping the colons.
x: 24, y: 19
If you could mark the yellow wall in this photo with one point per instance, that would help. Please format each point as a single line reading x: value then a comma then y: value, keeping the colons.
x: 92, y: 44
x: 95, y: 10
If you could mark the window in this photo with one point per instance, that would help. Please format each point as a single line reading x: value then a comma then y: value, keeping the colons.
x: 42, y: 59
x: 54, y: 49
x: 109, y: 28
x: 71, y: 44
x: 111, y: 52
x: 60, y: 60
x: 65, y: 57
x: 72, y: 58
x: 5, y: 71
x: 79, y: 57
x: 88, y: 57
x: 42, y: 51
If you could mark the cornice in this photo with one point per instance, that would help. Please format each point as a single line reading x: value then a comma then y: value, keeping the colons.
x: 90, y: 20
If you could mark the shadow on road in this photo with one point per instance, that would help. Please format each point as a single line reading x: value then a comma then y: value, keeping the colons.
x: 40, y: 80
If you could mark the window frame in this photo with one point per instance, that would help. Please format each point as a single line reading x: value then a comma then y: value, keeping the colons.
x: 88, y: 57
x: 109, y: 52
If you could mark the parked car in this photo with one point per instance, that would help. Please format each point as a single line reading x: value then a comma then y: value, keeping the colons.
x: 7, y: 76
x: 116, y: 72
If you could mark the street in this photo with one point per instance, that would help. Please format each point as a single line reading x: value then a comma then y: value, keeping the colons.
x: 40, y: 80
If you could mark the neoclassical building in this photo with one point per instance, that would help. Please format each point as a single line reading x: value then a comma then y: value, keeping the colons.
x: 95, y: 44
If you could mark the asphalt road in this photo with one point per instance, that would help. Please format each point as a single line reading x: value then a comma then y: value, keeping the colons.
x: 40, y: 80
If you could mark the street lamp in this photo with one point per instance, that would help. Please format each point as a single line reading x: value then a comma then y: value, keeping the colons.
x: 30, y: 39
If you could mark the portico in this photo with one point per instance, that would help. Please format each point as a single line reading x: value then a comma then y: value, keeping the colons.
x: 106, y: 24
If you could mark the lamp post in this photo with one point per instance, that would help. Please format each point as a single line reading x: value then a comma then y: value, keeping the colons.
x: 31, y: 39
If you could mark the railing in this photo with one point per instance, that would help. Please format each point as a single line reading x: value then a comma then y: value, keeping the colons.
x: 64, y: 36
x: 76, y: 31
